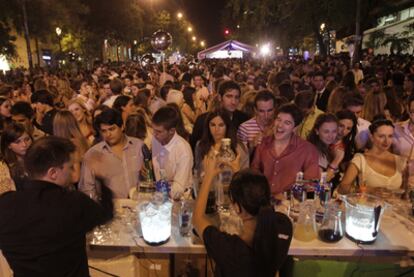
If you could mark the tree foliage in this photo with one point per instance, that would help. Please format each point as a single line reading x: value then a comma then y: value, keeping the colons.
x: 7, y: 47
x: 287, y: 22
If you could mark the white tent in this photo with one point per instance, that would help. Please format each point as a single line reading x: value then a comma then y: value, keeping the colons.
x: 225, y: 50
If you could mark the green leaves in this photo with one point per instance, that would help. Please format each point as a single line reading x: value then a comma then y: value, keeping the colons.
x: 7, y: 47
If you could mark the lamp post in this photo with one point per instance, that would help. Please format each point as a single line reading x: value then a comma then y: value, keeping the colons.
x: 58, y: 33
x: 189, y: 30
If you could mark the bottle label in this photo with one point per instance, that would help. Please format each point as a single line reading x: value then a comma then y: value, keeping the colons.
x: 164, y: 187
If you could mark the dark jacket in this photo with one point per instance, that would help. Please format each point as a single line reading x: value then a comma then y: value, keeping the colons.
x: 43, y: 229
x: 47, y: 122
x: 322, y: 100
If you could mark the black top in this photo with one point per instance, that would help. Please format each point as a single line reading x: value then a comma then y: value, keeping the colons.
x: 237, y: 118
x: 47, y: 122
x: 43, y: 229
x: 322, y: 100
x: 233, y: 257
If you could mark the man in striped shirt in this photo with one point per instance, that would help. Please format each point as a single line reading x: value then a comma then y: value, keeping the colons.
x: 252, y: 131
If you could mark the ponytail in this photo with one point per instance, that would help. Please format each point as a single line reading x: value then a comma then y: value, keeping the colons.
x: 271, y: 240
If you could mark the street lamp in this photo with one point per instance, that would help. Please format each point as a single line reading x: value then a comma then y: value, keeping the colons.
x: 194, y: 38
x: 265, y: 50
x: 202, y: 43
x: 179, y: 15
x: 189, y: 29
x: 58, y: 33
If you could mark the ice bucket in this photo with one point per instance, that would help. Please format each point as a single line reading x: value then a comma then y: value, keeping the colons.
x: 363, y: 214
x: 155, y: 219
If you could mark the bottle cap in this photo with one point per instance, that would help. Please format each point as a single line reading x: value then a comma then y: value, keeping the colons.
x: 226, y: 141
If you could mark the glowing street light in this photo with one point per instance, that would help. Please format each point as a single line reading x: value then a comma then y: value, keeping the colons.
x: 265, y: 50
x: 58, y: 33
x: 179, y: 15
x: 194, y: 38
x: 189, y: 29
x: 322, y: 26
x: 202, y: 43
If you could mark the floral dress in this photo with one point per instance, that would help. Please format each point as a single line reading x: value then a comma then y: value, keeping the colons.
x: 6, y: 182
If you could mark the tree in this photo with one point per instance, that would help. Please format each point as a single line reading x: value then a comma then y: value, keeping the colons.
x: 397, y: 43
x: 7, y: 47
x: 118, y: 21
x: 376, y: 39
x: 38, y: 18
x: 290, y: 21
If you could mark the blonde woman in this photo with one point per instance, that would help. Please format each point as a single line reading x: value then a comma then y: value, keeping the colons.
x: 82, y: 116
x: 336, y: 99
x: 65, y: 91
x: 66, y: 126
x: 374, y: 104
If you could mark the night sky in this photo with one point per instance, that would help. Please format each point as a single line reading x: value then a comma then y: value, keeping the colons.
x: 204, y: 15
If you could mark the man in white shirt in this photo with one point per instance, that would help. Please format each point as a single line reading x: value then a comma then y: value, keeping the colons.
x: 116, y: 86
x: 253, y: 130
x: 155, y: 102
x: 172, y: 157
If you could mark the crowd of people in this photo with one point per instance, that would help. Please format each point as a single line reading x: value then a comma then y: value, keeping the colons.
x: 356, y: 123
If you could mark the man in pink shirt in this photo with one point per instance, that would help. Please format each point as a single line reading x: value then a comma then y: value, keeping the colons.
x: 281, y: 156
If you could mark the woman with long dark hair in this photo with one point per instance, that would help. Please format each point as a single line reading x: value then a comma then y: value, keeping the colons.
x: 324, y: 135
x: 189, y: 109
x: 218, y: 126
x: 347, y: 130
x: 125, y: 105
x: 14, y: 143
x: 262, y: 246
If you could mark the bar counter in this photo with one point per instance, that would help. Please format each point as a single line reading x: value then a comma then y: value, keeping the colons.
x: 396, y: 237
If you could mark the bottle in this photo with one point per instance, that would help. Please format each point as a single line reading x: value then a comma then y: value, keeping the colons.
x: 147, y: 182
x: 324, y: 189
x: 297, y: 194
x: 322, y: 197
x: 196, y: 183
x: 162, y: 185
x: 225, y: 156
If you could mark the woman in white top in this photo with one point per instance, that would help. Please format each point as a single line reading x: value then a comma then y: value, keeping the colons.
x: 377, y: 167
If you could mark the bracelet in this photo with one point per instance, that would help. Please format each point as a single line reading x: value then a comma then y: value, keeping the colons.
x: 335, y: 169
